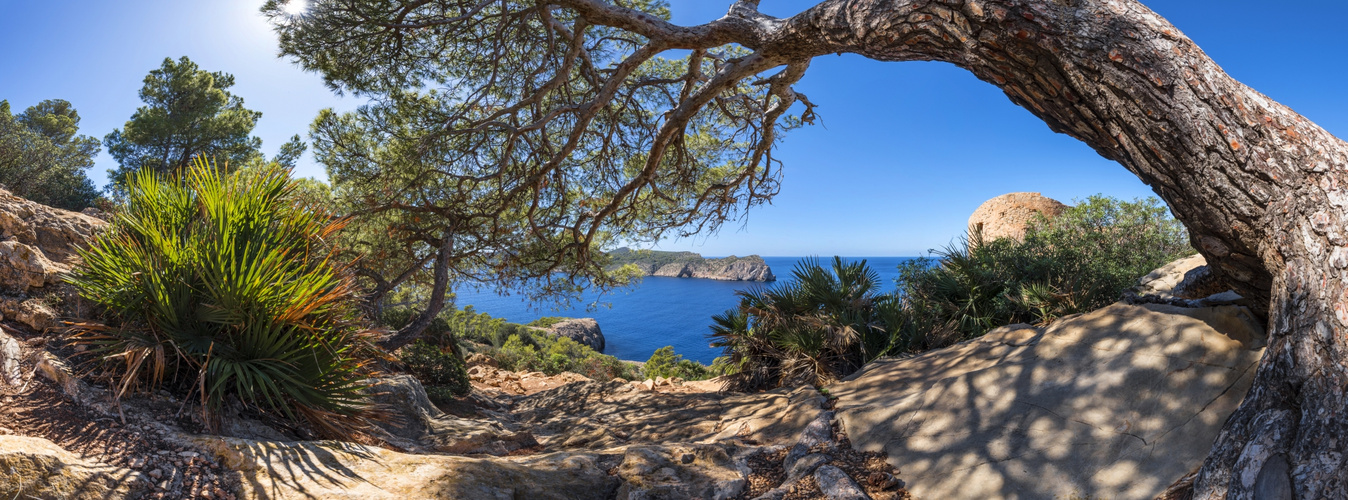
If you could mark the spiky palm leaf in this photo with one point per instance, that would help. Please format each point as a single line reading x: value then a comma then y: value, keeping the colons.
x: 225, y: 286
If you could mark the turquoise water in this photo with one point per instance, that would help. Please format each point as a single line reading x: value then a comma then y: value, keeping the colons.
x: 659, y: 311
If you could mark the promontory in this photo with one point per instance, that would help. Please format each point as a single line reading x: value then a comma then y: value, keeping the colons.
x: 692, y: 265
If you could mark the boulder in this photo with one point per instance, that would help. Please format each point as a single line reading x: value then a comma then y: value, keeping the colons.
x: 582, y: 330
x: 1008, y: 215
x: 1117, y: 403
x: 32, y: 312
x: 38, y: 468
x: 23, y: 267
x: 56, y: 233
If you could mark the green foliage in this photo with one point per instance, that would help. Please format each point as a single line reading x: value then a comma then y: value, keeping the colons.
x: 514, y: 347
x: 41, y: 157
x: 221, y: 285
x: 528, y: 350
x: 187, y: 112
x: 821, y: 325
x: 439, y: 369
x: 665, y: 363
x: 547, y: 321
x: 1079, y: 261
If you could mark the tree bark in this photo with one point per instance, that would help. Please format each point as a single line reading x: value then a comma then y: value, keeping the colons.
x: 1261, y: 189
x: 439, y: 289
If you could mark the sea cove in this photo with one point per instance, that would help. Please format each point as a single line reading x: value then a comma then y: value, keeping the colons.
x: 659, y: 311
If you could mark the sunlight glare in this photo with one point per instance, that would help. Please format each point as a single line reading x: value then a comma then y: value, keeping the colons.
x: 296, y: 7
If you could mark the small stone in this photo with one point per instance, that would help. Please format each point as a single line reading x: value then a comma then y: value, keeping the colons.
x: 188, y: 454
x: 163, y: 452
x: 883, y: 480
x: 836, y: 485
x: 648, y: 385
x: 686, y: 458
x: 156, y: 473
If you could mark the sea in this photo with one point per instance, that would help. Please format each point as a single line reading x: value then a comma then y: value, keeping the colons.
x: 658, y: 311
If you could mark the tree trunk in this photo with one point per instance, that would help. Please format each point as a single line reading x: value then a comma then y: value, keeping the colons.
x: 439, y: 289
x: 1261, y: 189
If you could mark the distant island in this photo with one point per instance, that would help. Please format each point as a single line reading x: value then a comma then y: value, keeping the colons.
x: 692, y: 265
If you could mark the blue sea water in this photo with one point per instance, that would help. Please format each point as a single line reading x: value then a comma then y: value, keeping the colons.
x: 659, y: 311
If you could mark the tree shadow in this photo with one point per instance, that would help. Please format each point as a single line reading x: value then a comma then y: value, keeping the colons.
x: 1116, y: 404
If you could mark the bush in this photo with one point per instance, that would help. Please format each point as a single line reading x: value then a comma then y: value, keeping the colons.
x: 439, y: 369
x: 664, y: 363
x: 1079, y: 261
x: 822, y: 325
x: 221, y: 285
x: 547, y: 321
x: 533, y: 351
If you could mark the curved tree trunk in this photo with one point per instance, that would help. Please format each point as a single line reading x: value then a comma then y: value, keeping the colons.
x: 1261, y: 189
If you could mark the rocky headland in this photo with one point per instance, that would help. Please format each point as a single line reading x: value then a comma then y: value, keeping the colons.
x: 692, y: 265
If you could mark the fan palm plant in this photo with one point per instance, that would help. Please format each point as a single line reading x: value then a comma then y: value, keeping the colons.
x: 222, y: 285
x: 822, y: 325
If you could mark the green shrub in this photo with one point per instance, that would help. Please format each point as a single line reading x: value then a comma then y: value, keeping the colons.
x: 222, y: 285
x: 547, y: 321
x: 1079, y: 261
x: 819, y: 326
x: 439, y: 369
x: 533, y: 351
x: 665, y: 363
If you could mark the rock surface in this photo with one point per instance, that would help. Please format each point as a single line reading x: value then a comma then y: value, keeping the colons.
x: 692, y: 265
x: 417, y: 425
x: 11, y: 355
x: 582, y: 330
x: 37, y: 468
x: 1007, y: 216
x: 1113, y: 404
x: 1186, y: 282
x: 30, y: 311
x: 53, y: 232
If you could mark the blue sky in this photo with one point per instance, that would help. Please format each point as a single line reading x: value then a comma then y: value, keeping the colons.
x: 904, y: 154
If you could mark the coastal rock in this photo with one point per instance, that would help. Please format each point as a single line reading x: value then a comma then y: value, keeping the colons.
x: 582, y: 330
x: 1115, y: 403
x: 692, y: 265
x: 1007, y: 216
x: 38, y: 468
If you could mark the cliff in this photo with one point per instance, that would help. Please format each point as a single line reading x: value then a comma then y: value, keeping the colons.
x: 692, y: 265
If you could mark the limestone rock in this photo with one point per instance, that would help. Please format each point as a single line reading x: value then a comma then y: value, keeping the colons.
x: 1007, y: 216
x: 335, y: 470
x: 692, y: 265
x: 417, y: 425
x: 11, y: 354
x: 38, y: 468
x: 56, y: 233
x: 1116, y: 404
x: 1185, y: 282
x: 23, y: 267
x: 836, y: 485
x: 32, y: 312
x: 650, y: 472
x: 582, y: 330
x: 596, y: 415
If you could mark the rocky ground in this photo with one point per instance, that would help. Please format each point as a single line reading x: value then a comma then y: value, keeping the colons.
x: 665, y: 438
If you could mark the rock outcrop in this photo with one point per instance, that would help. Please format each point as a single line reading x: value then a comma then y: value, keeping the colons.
x: 11, y: 356
x: 38, y: 244
x: 414, y: 424
x: 1007, y: 216
x: 37, y: 468
x: 1117, y: 403
x: 584, y: 331
x: 1186, y: 282
x: 692, y: 265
